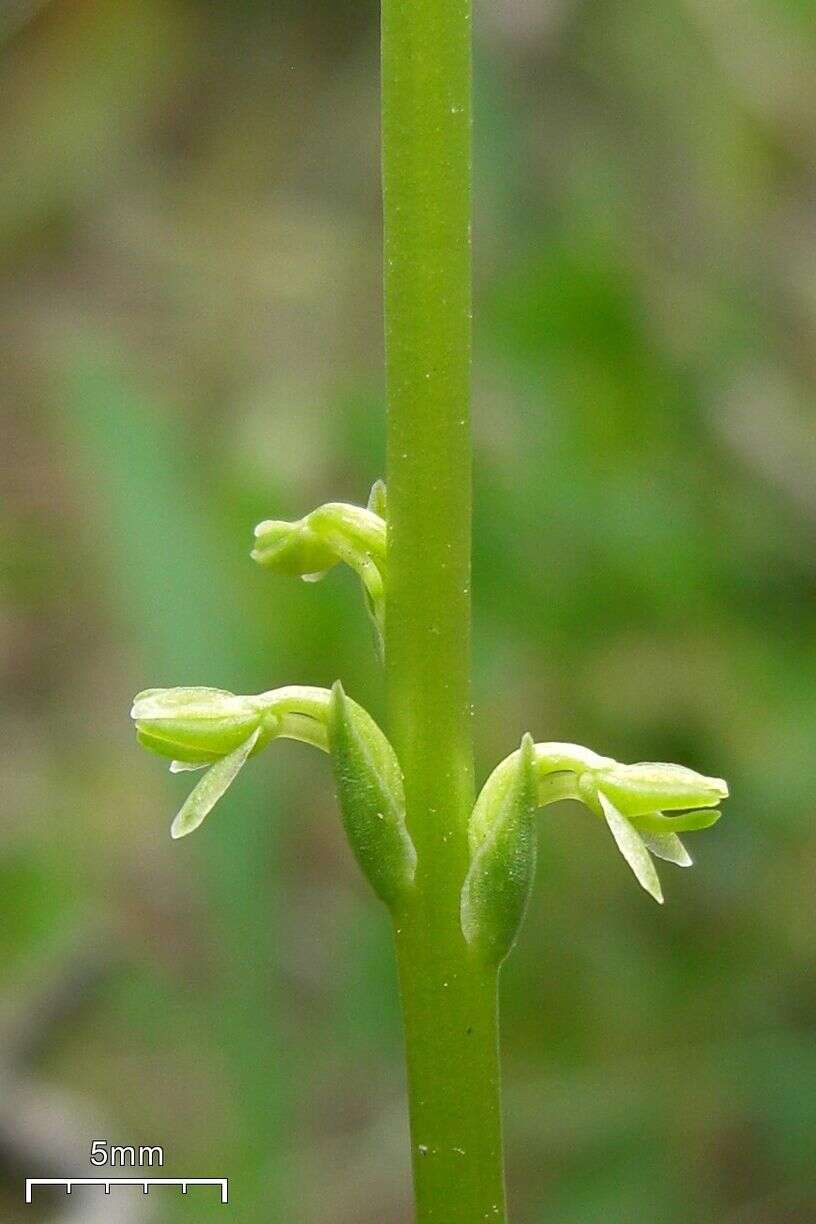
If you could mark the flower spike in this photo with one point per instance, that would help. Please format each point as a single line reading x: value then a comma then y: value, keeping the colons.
x: 631, y: 799
x: 333, y: 533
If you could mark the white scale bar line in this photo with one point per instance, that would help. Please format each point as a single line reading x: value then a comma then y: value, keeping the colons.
x: 69, y: 1183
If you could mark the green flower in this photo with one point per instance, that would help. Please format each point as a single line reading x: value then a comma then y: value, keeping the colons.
x: 331, y: 534
x: 632, y: 800
x: 201, y: 728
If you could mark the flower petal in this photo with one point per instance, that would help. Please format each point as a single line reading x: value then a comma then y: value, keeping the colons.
x: 667, y: 846
x: 685, y: 822
x: 218, y: 778
x: 633, y: 848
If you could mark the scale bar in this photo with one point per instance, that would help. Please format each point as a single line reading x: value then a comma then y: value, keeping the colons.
x: 144, y: 1182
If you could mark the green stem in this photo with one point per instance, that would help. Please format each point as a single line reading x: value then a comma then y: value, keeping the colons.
x: 449, y: 1001
x: 450, y: 1016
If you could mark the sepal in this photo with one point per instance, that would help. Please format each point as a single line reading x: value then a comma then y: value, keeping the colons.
x: 204, y: 796
x: 632, y: 847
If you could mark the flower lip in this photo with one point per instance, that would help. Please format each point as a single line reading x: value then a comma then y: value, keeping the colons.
x: 175, y: 748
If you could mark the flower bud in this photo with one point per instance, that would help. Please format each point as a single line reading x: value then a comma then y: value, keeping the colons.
x: 378, y: 500
x: 332, y: 533
x: 355, y: 534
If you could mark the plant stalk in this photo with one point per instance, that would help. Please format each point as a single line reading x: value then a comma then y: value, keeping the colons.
x: 449, y: 1000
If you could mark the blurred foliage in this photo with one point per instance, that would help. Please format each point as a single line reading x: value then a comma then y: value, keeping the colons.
x: 191, y: 341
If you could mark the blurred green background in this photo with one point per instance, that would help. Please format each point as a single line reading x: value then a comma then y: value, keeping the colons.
x: 190, y: 340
